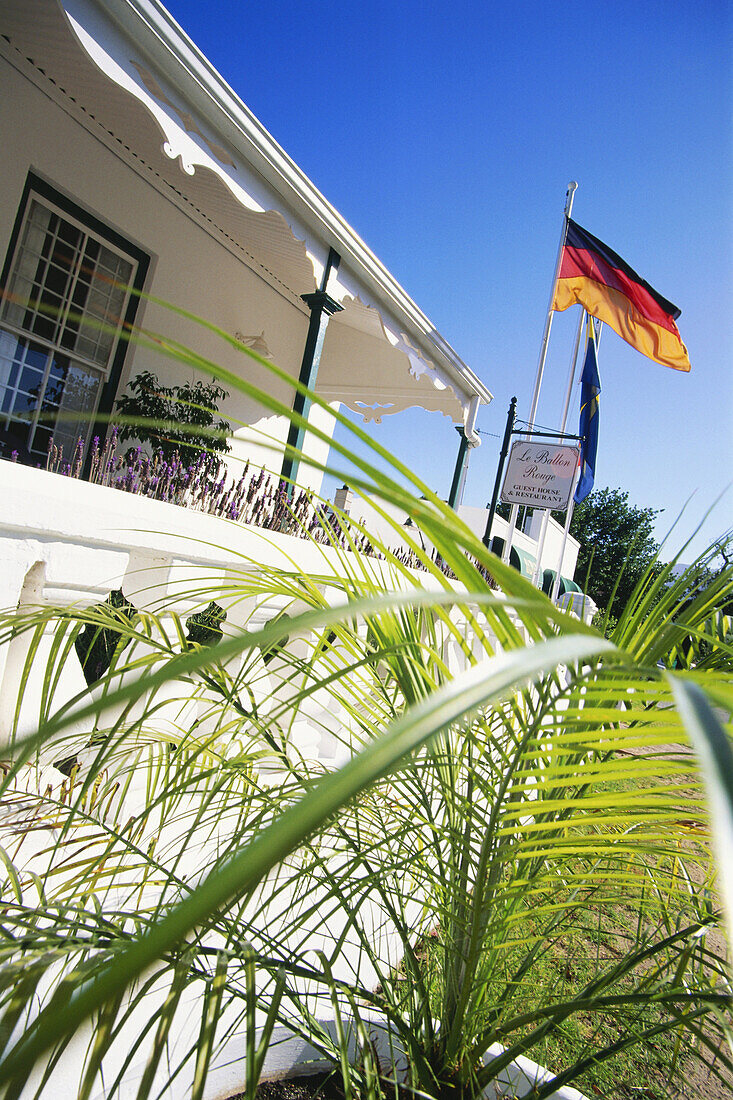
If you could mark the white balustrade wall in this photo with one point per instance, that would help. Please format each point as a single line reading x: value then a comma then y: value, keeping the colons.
x: 68, y: 543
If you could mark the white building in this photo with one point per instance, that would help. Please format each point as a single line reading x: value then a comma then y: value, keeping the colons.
x: 128, y: 162
x: 126, y: 156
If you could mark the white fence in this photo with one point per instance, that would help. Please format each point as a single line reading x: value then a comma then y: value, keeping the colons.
x: 67, y: 543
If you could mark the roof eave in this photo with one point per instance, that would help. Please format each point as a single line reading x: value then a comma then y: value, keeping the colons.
x: 157, y: 34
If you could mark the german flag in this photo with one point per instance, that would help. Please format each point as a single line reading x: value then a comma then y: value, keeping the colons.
x: 594, y: 276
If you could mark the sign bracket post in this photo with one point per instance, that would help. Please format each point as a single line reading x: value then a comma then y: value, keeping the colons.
x: 540, y: 475
x: 528, y: 434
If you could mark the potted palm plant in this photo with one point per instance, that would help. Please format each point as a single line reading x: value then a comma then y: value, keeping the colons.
x: 509, y: 866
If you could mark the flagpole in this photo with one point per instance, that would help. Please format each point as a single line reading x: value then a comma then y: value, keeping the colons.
x: 569, y: 196
x: 573, y: 368
x: 571, y: 505
x: 566, y: 532
x: 536, y: 578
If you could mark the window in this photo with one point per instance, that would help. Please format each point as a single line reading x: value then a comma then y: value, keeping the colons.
x: 66, y: 300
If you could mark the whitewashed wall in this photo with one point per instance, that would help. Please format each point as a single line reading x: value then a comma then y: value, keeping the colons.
x: 189, y: 265
x: 527, y: 540
x: 63, y: 541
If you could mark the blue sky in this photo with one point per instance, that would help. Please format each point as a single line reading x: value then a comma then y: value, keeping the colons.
x: 446, y: 134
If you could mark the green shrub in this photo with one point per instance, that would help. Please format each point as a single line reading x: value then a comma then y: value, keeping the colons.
x: 181, y: 421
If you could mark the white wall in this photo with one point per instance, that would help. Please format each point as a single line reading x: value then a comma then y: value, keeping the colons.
x: 553, y: 545
x: 64, y: 541
x: 527, y: 540
x: 189, y: 267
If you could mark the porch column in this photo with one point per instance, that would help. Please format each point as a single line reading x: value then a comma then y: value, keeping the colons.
x: 322, y: 306
x: 469, y: 440
x: 461, y: 469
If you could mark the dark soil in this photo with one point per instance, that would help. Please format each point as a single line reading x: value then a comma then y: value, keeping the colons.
x: 313, y: 1086
x: 309, y: 1086
x: 325, y: 1086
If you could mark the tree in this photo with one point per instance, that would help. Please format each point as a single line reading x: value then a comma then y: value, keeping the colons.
x: 616, y: 544
x: 181, y: 421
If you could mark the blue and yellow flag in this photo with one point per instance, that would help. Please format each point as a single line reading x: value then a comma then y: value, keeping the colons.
x: 590, y: 389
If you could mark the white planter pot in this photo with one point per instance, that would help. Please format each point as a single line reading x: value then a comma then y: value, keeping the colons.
x: 291, y: 1056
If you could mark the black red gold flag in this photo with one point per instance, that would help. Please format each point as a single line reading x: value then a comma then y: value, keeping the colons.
x: 596, y: 277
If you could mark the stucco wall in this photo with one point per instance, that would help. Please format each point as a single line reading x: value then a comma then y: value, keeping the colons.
x: 189, y: 266
x: 527, y: 540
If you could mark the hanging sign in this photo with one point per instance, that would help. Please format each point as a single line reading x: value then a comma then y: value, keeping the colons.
x: 539, y: 475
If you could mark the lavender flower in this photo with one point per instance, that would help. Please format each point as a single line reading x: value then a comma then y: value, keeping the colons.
x: 205, y: 484
x: 78, y: 459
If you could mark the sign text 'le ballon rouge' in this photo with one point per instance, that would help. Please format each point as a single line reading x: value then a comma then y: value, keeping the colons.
x: 539, y: 475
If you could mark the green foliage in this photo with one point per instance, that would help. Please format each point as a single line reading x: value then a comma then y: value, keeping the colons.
x: 97, y: 642
x: 204, y: 628
x: 181, y: 421
x: 504, y: 782
x: 616, y: 546
x: 565, y: 966
x: 604, y: 622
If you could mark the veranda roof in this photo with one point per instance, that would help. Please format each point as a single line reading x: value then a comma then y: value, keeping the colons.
x: 132, y: 76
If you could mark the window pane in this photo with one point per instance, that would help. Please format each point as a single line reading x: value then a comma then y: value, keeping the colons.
x: 31, y: 382
x: 22, y: 384
x: 69, y: 291
x: 72, y: 402
x: 8, y: 369
x: 42, y: 272
x: 103, y: 288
